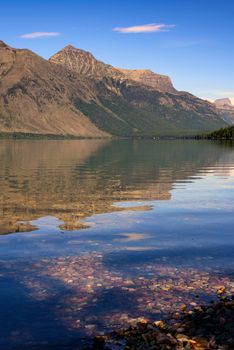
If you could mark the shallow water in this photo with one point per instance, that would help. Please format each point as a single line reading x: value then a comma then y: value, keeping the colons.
x: 159, y: 234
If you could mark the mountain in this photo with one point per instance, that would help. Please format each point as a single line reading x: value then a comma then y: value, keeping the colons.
x: 224, y: 103
x: 226, y: 109
x: 74, y: 94
x: 132, y: 104
x: 35, y: 96
x: 145, y: 76
x: 85, y: 63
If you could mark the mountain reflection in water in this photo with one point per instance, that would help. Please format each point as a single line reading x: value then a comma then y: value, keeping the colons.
x: 75, y: 179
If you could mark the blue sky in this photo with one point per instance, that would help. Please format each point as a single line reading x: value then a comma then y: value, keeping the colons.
x: 192, y: 41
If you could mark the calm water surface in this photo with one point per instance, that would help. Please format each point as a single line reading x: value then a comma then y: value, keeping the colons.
x: 114, y: 231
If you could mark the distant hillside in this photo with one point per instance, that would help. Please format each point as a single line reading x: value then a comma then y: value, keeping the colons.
x: 75, y: 94
x: 221, y: 134
x: 35, y: 96
x: 226, y: 109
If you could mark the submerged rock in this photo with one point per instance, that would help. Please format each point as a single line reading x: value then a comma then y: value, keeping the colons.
x: 210, y: 327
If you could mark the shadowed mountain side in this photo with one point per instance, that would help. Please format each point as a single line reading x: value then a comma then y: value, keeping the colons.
x: 74, y: 94
x: 137, y: 102
x: 228, y: 116
x: 35, y: 96
x: 75, y: 179
x: 86, y: 64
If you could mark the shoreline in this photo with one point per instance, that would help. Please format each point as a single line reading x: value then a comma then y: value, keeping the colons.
x: 202, y: 328
x: 35, y: 136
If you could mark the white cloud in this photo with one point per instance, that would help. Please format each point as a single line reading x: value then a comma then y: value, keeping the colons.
x: 36, y: 35
x: 145, y: 28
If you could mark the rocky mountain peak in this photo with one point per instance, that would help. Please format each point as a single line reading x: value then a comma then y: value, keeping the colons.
x: 148, y: 77
x: 85, y: 63
x: 80, y: 61
x: 70, y: 49
x: 223, y: 102
x: 226, y: 108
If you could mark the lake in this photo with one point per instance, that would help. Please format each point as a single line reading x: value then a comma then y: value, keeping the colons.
x: 97, y: 233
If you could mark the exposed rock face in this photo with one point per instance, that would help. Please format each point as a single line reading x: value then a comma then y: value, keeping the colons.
x: 83, y: 62
x: 137, y: 101
x: 226, y: 109
x: 147, y: 77
x: 224, y: 103
x: 86, y: 64
x: 35, y: 96
x: 75, y: 94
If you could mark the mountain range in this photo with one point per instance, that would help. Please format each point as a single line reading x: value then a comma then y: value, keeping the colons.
x: 73, y: 93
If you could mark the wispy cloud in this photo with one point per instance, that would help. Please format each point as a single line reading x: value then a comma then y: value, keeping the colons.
x: 36, y: 35
x: 145, y: 28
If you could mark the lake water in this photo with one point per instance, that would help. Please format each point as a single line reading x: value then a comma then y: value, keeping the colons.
x: 115, y: 230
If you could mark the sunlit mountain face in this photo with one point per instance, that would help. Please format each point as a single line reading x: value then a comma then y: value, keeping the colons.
x: 75, y: 95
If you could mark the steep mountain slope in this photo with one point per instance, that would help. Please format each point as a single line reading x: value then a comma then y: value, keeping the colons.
x: 35, y: 96
x: 145, y: 76
x: 85, y: 63
x: 129, y: 103
x: 74, y: 94
x: 226, y: 109
x: 224, y: 103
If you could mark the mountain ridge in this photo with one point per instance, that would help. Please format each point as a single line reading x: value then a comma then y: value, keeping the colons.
x: 72, y: 93
x: 224, y: 103
x: 84, y: 63
x: 161, y: 82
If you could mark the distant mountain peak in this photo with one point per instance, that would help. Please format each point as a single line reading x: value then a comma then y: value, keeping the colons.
x: 70, y: 48
x: 222, y: 102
